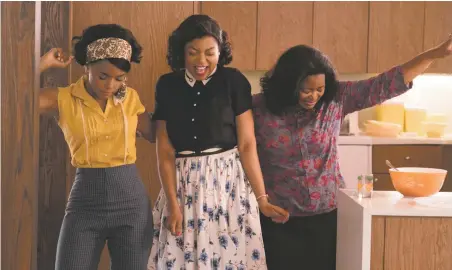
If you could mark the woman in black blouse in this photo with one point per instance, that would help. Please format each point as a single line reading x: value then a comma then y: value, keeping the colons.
x: 207, y: 215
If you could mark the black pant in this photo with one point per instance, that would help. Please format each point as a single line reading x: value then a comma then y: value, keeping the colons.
x: 302, y: 243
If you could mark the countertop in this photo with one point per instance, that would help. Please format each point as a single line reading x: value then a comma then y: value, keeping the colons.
x: 392, y: 203
x: 366, y: 140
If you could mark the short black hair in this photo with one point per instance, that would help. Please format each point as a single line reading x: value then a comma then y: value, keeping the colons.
x: 280, y: 85
x: 95, y: 32
x: 193, y: 27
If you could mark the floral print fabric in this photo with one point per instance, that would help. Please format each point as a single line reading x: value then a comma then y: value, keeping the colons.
x: 221, y: 226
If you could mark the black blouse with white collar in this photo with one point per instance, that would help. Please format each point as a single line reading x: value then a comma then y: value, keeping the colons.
x: 201, y: 115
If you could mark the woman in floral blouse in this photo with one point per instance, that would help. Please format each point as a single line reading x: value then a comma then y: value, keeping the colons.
x: 297, y: 121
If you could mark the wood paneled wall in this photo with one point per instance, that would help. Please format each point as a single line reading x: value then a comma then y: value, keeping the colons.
x: 19, y: 134
x: 243, y: 41
x: 53, y: 152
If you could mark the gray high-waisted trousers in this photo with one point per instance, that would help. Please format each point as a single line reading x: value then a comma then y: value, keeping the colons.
x: 106, y: 205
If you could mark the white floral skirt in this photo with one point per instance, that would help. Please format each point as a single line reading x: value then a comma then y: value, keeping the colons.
x: 221, y: 227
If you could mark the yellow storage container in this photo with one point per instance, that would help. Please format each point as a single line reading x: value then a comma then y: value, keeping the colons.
x: 434, y: 130
x: 413, y: 120
x: 391, y: 112
x: 436, y: 118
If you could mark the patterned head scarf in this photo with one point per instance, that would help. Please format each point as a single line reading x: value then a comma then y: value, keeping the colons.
x: 105, y: 48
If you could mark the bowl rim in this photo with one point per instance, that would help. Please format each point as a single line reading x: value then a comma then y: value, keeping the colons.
x: 434, y: 170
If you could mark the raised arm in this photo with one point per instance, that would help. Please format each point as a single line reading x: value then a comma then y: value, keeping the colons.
x: 48, y: 97
x: 358, y: 95
x: 420, y: 63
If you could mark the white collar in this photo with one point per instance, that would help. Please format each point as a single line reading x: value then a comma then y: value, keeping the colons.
x: 191, y: 80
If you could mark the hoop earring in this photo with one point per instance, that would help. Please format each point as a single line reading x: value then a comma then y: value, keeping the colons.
x: 121, y: 93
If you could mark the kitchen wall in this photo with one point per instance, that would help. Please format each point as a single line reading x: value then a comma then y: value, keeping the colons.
x: 432, y: 92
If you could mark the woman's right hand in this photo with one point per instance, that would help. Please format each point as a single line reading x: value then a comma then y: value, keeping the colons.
x: 55, y: 58
x: 174, y: 221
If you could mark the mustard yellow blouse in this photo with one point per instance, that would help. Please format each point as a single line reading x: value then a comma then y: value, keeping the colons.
x: 98, y: 139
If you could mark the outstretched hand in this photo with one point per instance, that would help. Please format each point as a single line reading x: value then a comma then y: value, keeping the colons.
x: 444, y: 49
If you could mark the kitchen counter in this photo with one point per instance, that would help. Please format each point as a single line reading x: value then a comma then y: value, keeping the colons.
x: 375, y: 233
x: 366, y: 140
x: 392, y: 203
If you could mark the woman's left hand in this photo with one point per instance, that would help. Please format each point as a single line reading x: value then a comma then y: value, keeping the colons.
x: 55, y: 58
x: 444, y: 49
x: 276, y: 213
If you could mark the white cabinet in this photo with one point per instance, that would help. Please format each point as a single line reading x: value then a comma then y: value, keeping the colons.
x: 354, y: 160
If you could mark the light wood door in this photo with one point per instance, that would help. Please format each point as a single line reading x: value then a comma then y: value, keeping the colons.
x: 377, y: 243
x: 411, y: 243
x: 396, y: 33
x: 239, y: 20
x: 438, y: 25
x: 340, y: 31
x: 418, y: 243
x: 281, y: 25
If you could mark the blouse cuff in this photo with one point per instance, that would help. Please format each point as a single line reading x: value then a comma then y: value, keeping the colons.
x: 400, y: 80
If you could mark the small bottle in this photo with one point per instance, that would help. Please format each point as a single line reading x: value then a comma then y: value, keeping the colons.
x: 365, y: 185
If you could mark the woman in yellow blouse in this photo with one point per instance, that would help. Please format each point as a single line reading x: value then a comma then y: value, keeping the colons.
x: 100, y: 116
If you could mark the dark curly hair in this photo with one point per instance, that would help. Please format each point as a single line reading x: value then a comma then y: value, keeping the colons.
x: 95, y: 32
x: 196, y: 26
x: 281, y: 85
